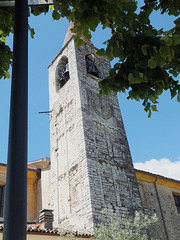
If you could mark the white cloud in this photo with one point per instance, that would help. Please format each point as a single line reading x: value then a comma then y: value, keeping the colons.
x: 162, y: 167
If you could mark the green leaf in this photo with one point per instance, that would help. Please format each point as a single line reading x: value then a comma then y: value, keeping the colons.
x: 132, y: 33
x: 164, y: 51
x: 149, y: 114
x: 144, y: 103
x: 144, y: 49
x: 32, y: 32
x: 152, y: 98
x: 173, y: 72
x: 173, y: 93
x: 160, y: 62
x: 147, y: 107
x: 130, y: 77
x: 2, y: 39
x: 176, y: 39
x: 101, y: 52
x: 37, y: 10
x: 141, y: 75
x: 94, y: 23
x: 137, y: 79
x: 160, y: 31
x: 120, y: 36
x: 56, y: 15
x: 136, y: 97
x: 78, y: 41
x: 7, y: 75
x: 168, y: 41
x: 148, y: 33
x: 109, y: 52
x: 151, y: 63
x: 178, y: 97
x: 154, y: 108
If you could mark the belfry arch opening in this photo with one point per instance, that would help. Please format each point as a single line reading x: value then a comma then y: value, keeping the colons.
x: 62, y: 72
x: 91, y: 66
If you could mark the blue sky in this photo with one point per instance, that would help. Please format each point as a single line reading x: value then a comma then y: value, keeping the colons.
x: 154, y: 138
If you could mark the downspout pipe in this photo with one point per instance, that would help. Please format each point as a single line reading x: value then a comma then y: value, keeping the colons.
x: 160, y: 207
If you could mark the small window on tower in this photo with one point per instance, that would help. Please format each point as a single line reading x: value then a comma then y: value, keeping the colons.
x: 62, y: 72
x: 91, y: 67
x: 177, y: 201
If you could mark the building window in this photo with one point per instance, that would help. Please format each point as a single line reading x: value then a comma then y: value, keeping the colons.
x: 1, y: 200
x: 62, y: 75
x: 91, y: 67
x: 177, y: 201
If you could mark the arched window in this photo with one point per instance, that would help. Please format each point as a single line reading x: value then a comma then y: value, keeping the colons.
x: 90, y: 65
x: 62, y: 75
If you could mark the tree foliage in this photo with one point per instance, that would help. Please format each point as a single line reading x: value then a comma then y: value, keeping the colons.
x: 6, y: 27
x: 148, y: 59
x: 132, y: 228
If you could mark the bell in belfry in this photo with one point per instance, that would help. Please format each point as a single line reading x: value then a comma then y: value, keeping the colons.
x: 91, y: 67
x: 66, y: 72
x: 63, y: 75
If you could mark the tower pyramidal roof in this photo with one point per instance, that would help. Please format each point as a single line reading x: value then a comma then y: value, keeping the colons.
x: 69, y: 33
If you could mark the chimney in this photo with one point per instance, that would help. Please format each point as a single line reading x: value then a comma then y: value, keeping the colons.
x: 46, y: 218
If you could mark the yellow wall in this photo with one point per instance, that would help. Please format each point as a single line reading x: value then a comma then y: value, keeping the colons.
x: 42, y: 237
x: 32, y: 214
x: 37, y: 237
x: 2, y: 174
x: 148, y: 177
x: 32, y: 191
x: 33, y: 236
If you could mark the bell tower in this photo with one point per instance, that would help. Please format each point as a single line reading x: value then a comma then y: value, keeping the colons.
x: 91, y: 165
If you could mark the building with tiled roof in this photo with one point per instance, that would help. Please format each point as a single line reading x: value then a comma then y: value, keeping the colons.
x: 159, y: 195
x: 35, y: 232
x: 90, y: 167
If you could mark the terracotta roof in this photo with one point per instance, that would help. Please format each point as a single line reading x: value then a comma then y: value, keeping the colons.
x: 69, y: 34
x: 36, y: 229
x: 68, y: 37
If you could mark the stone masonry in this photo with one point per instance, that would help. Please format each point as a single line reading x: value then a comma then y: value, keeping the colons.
x: 158, y: 198
x: 91, y: 165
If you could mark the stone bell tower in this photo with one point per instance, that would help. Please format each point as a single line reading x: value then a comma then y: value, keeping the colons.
x: 91, y: 165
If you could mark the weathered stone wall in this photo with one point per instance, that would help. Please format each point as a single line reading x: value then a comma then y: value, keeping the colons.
x: 112, y: 180
x: 91, y: 166
x: 70, y: 192
x: 165, y: 209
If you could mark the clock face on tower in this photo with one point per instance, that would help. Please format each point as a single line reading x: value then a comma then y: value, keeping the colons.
x: 102, y: 107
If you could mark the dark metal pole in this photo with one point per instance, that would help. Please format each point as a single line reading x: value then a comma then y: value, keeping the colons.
x: 15, y: 216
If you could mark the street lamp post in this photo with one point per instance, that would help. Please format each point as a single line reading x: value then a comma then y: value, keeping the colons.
x: 15, y: 214
x: 16, y: 182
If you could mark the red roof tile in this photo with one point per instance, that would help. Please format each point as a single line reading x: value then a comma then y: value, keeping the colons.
x: 36, y: 229
x: 69, y: 34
